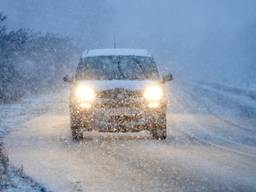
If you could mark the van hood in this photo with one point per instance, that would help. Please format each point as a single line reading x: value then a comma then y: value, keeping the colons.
x: 102, y: 85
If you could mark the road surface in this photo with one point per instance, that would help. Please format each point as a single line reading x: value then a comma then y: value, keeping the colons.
x: 210, y: 146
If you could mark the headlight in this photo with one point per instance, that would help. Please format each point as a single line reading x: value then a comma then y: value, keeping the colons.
x: 84, y: 93
x: 153, y: 93
x: 153, y: 104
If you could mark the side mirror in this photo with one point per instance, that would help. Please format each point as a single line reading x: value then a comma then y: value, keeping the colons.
x: 67, y: 79
x: 167, y: 77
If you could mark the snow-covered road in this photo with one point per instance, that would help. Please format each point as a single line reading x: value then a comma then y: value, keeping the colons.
x: 211, y: 147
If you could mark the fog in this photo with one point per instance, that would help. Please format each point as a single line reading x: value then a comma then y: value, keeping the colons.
x: 86, y: 21
x: 195, y: 133
x: 202, y: 39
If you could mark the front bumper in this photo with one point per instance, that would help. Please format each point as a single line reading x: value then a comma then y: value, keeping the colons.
x: 118, y: 119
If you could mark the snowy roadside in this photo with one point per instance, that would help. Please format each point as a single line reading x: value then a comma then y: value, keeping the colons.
x: 229, y: 119
x: 12, y: 178
x: 244, y: 97
x: 70, y: 166
x: 181, y: 163
x: 239, y: 91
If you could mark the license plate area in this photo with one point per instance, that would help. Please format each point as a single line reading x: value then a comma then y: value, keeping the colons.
x: 123, y: 118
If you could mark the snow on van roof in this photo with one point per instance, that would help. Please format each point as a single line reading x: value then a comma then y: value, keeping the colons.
x: 115, y: 52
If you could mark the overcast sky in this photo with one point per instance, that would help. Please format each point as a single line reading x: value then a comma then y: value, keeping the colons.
x: 185, y: 34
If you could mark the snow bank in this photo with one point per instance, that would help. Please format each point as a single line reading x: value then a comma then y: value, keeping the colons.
x: 12, y: 178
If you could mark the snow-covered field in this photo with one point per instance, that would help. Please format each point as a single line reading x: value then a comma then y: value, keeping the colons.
x: 211, y: 145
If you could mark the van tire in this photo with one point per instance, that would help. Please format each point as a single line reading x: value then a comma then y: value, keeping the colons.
x: 159, y: 128
x: 76, y: 126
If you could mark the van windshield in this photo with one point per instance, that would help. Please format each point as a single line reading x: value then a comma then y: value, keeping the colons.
x: 117, y: 68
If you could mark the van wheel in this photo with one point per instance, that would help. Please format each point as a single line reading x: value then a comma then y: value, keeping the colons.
x: 159, y: 130
x: 77, y: 135
x: 76, y: 126
x: 159, y: 134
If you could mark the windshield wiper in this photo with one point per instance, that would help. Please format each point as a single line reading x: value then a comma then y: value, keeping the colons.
x: 119, y: 69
